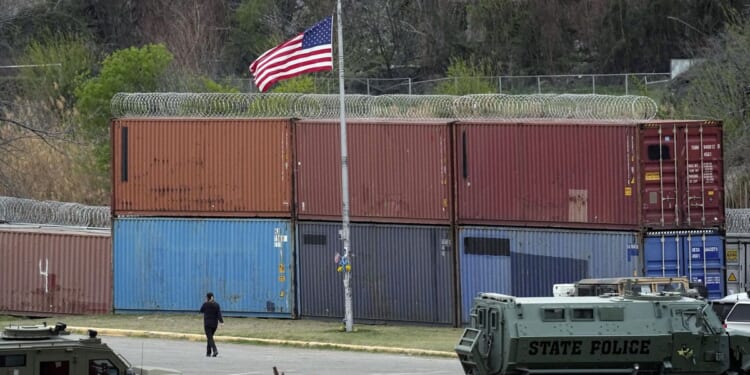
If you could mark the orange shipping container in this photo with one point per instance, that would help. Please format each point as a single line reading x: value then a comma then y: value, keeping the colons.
x: 201, y: 167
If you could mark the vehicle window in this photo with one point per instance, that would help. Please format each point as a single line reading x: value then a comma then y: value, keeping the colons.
x: 481, y: 318
x: 722, y: 309
x: 13, y: 360
x: 54, y: 368
x: 740, y: 313
x: 102, y: 367
x: 583, y: 314
x: 611, y: 314
x: 554, y: 314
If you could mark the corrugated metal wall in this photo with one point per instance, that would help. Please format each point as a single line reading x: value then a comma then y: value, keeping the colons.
x: 695, y: 254
x: 683, y: 175
x: 565, y: 173
x: 202, y: 167
x: 399, y: 272
x: 168, y: 264
x: 398, y: 171
x: 526, y: 262
x: 55, y: 270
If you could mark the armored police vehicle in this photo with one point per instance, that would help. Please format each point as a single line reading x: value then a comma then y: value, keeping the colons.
x: 50, y: 350
x: 631, y: 334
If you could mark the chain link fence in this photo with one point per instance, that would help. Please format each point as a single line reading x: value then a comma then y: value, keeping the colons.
x: 403, y: 107
x: 607, y: 84
x: 29, y: 211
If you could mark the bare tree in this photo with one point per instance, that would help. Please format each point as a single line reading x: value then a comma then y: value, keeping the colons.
x: 193, y: 30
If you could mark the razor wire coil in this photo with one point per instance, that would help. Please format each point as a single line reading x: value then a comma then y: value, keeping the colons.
x: 738, y: 220
x: 29, y: 211
x: 416, y: 107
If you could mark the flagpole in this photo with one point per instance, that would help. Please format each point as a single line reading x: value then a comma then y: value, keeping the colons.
x: 348, y: 315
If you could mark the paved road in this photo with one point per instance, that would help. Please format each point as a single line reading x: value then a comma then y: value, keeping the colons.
x: 242, y: 359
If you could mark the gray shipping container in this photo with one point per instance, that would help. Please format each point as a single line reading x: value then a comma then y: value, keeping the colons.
x: 527, y: 262
x: 399, y: 272
x: 737, y: 250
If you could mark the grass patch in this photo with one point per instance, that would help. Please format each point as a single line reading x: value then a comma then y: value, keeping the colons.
x: 307, y: 330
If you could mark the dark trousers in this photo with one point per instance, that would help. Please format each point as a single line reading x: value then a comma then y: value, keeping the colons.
x: 211, y: 345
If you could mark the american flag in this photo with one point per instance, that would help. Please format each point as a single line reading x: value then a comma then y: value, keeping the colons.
x: 310, y: 51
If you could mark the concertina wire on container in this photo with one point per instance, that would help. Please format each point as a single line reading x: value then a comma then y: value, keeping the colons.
x: 412, y: 107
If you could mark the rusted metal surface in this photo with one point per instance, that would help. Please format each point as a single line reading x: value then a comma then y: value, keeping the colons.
x: 682, y: 168
x: 55, y: 270
x: 590, y: 174
x: 398, y: 172
x: 569, y: 174
x: 202, y: 167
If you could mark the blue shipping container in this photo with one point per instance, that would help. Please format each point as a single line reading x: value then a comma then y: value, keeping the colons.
x: 399, y: 272
x: 527, y: 262
x: 168, y: 265
x: 699, y: 255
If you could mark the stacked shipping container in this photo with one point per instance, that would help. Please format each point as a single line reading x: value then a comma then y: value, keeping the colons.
x: 537, y: 201
x: 618, y: 179
x: 399, y: 177
x: 193, y: 201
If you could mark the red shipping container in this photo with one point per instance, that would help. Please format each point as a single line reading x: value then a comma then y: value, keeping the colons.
x: 584, y: 173
x: 398, y: 171
x: 55, y: 270
x: 683, y: 175
x: 202, y: 167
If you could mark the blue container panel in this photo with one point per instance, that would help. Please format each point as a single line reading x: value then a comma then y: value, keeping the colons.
x: 663, y: 257
x: 168, y: 265
x: 700, y: 257
x: 399, y: 272
x: 706, y: 263
x: 527, y: 262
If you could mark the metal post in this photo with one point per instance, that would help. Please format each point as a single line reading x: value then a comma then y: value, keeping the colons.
x: 593, y: 84
x: 538, y: 85
x: 626, y: 84
x: 500, y: 84
x: 409, y: 85
x: 348, y: 316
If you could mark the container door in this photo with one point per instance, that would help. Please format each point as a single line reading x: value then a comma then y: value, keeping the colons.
x: 663, y: 256
x: 698, y: 256
x: 705, y: 263
x: 681, y: 175
x: 658, y: 176
x: 701, y: 201
x: 737, y: 256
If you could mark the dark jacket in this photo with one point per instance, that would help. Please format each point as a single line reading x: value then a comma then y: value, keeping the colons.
x: 211, y: 314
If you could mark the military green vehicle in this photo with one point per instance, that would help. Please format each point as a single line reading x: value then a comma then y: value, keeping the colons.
x: 51, y: 350
x: 623, y: 285
x: 654, y: 333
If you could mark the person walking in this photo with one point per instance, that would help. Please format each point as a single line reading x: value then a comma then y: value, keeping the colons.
x: 211, y: 320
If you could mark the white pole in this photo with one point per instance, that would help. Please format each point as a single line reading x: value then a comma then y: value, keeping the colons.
x: 348, y: 315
